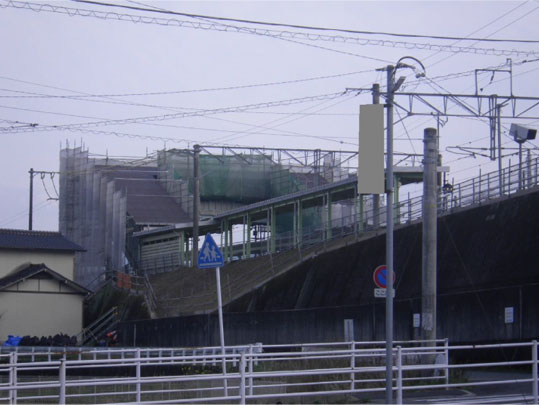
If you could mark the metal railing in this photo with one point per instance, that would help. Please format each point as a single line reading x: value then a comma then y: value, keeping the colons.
x: 478, y: 190
x: 256, y: 372
x: 97, y: 329
x: 475, y: 191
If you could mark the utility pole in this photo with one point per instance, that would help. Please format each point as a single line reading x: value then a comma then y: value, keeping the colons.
x: 376, y: 197
x: 389, y: 235
x: 429, y: 243
x: 196, y: 201
x: 499, y: 136
x: 31, y: 208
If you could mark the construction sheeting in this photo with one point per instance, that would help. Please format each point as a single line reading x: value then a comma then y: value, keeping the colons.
x: 97, y: 199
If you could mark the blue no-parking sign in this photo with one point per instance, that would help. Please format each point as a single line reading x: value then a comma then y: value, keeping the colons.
x: 380, y: 276
x: 210, y: 256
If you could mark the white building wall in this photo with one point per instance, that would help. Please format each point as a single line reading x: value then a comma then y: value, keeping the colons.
x: 62, y: 263
x: 40, y: 313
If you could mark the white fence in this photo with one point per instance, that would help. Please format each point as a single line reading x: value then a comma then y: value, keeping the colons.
x: 260, y: 373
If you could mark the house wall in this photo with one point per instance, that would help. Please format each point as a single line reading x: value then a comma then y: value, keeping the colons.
x: 60, y: 262
x: 40, y: 313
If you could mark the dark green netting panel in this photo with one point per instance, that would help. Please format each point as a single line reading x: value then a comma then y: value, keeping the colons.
x: 242, y: 178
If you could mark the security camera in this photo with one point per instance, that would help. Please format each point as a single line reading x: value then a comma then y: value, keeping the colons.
x: 521, y: 134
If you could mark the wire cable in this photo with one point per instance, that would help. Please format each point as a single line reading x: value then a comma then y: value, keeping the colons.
x: 161, y: 93
x: 199, y: 113
x: 303, y: 27
x: 248, y: 30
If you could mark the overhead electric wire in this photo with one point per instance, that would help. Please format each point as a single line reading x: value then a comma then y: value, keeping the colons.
x: 247, y: 30
x: 303, y: 27
x: 160, y: 93
x: 476, y: 31
x: 145, y: 105
x: 138, y: 104
x: 199, y: 113
x: 279, y: 37
x: 246, y: 133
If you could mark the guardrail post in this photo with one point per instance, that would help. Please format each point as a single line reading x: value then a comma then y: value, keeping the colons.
x: 242, y: 378
x: 479, y: 181
x: 138, y: 374
x: 62, y: 381
x: 352, y: 365
x: 399, y: 375
x: 509, y: 178
x: 409, y: 209
x: 536, y: 170
x: 250, y: 369
x: 446, y: 362
x: 13, y: 378
x: 534, y: 371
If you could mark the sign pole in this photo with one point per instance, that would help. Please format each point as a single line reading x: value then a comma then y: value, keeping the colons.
x: 389, y: 236
x: 221, y: 328
x: 210, y: 256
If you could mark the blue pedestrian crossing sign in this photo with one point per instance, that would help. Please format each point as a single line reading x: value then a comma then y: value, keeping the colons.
x: 210, y: 256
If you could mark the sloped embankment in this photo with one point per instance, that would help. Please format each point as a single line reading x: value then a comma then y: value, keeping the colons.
x: 188, y: 291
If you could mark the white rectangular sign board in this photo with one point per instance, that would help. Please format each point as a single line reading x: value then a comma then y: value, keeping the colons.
x: 509, y: 315
x: 381, y: 292
x: 370, y: 172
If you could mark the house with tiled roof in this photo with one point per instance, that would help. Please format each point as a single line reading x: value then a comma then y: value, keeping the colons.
x: 38, y: 294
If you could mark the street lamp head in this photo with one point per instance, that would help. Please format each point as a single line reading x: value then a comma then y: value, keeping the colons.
x: 521, y: 134
x: 399, y: 64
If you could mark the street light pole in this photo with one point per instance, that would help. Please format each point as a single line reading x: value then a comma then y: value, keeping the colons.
x: 31, y: 204
x: 389, y: 236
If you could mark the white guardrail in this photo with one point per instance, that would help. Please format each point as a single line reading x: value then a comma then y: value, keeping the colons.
x: 253, y: 373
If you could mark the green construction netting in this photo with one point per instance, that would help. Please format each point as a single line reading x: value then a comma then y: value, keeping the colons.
x: 243, y: 179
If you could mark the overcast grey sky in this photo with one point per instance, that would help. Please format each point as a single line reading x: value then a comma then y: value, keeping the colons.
x: 48, y: 52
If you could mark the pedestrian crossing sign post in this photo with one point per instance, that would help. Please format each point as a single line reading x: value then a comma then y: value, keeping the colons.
x: 210, y: 256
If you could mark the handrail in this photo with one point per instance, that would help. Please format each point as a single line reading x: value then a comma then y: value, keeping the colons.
x: 352, y: 368
x: 94, y: 330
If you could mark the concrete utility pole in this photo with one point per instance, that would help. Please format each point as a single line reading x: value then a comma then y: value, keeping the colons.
x: 376, y: 197
x: 429, y: 245
x: 389, y: 235
x: 196, y: 201
x: 31, y: 207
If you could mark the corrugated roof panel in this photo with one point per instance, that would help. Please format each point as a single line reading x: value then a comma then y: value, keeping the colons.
x: 36, y: 240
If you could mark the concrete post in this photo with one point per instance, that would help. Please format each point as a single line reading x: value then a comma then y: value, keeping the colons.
x: 389, y: 234
x: 428, y: 279
x: 248, y: 235
x: 376, y: 197
x: 273, y: 231
x: 196, y: 201
x: 31, y: 201
x: 62, y: 381
x: 529, y: 169
x: 300, y: 223
x: 534, y: 372
x: 138, y: 375
x: 328, y: 217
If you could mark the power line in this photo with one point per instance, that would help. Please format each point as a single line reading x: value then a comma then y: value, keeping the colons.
x: 304, y: 27
x: 476, y: 31
x: 138, y: 104
x: 160, y: 93
x: 245, y: 133
x: 198, y: 113
x: 266, y: 32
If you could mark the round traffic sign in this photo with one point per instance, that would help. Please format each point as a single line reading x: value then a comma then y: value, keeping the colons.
x: 380, y: 276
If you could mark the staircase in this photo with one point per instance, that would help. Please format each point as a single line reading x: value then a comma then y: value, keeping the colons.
x: 98, y: 329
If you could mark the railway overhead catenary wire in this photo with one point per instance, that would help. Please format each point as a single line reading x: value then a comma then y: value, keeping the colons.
x: 70, y: 11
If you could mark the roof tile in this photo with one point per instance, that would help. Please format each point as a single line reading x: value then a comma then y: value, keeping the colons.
x: 36, y: 240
